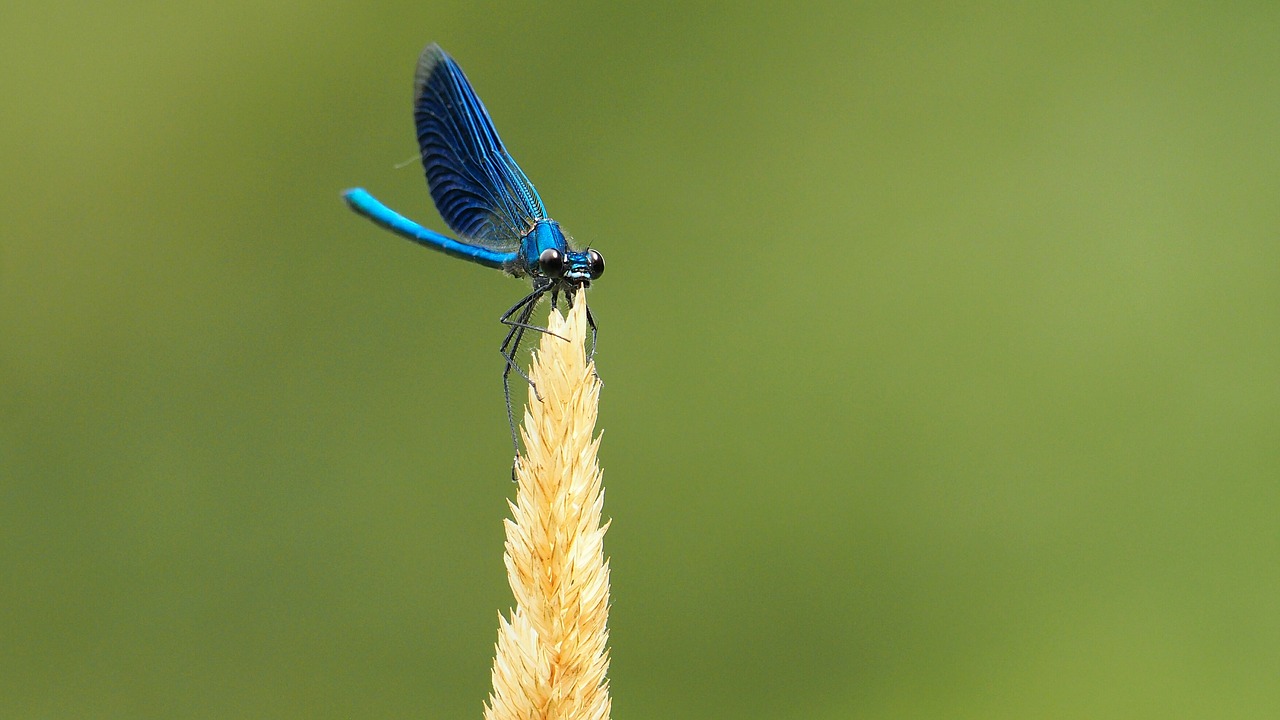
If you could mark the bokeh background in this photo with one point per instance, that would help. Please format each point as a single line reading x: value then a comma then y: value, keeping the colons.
x: 940, y: 344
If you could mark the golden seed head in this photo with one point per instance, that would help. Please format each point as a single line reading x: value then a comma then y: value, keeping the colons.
x: 552, y: 656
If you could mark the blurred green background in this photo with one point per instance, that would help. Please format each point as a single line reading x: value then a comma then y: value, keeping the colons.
x: 940, y: 342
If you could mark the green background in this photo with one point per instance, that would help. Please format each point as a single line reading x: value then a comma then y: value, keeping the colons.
x: 940, y: 342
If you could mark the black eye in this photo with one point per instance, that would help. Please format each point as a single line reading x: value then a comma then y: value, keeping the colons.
x: 551, y: 262
x: 595, y: 264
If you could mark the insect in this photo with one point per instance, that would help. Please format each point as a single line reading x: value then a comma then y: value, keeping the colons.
x: 486, y: 199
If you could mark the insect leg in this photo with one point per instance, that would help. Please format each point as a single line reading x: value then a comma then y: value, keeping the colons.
x: 510, y: 346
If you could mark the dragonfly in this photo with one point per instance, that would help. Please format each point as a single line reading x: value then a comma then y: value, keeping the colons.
x: 486, y: 199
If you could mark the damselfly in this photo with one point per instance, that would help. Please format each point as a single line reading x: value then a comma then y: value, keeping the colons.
x: 486, y: 199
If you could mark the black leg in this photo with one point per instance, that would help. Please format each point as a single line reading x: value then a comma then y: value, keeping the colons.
x: 531, y: 297
x: 591, y: 323
x: 510, y: 346
x: 506, y: 387
x: 523, y: 321
x: 517, y: 327
x: 528, y: 301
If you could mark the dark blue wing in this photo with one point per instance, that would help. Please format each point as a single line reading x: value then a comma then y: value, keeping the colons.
x: 477, y: 187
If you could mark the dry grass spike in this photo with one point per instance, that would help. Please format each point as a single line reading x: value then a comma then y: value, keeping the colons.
x: 552, y: 656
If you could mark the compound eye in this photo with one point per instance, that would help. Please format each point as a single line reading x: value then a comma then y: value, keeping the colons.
x: 552, y: 263
x: 595, y: 264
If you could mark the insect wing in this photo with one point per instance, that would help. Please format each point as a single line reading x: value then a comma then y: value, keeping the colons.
x: 477, y: 186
